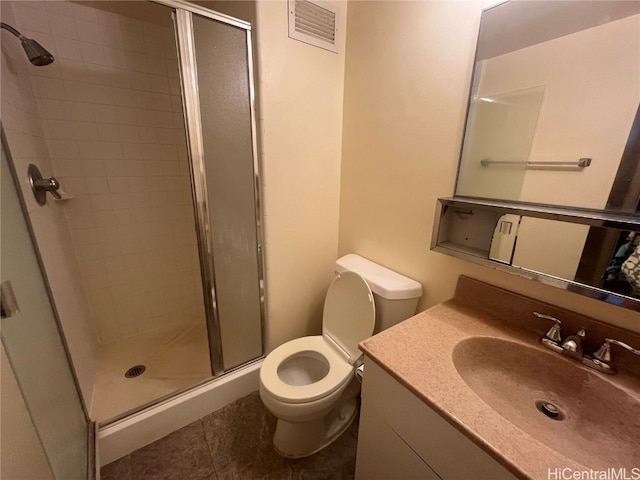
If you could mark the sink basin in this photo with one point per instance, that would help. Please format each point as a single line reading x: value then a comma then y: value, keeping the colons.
x: 597, y: 423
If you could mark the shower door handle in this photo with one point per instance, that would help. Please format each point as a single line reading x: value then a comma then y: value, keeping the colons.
x: 8, y: 303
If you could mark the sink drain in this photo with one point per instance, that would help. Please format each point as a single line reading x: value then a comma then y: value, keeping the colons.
x: 550, y: 410
x: 135, y: 371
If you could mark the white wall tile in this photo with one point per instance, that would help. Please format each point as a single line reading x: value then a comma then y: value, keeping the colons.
x: 128, y: 134
x: 118, y: 184
x: 86, y: 236
x: 68, y: 167
x: 116, y: 137
x: 92, y: 53
x: 86, y: 132
x: 68, y: 68
x: 63, y: 149
x: 60, y: 129
x: 60, y: 8
x: 73, y: 185
x: 104, y: 113
x: 121, y: 201
x: 82, y: 12
x: 132, y: 151
x: 32, y: 18
x: 97, y: 185
x: 109, y: 20
x: 88, y: 32
x: 119, y: 79
x: 149, y: 135
x: 80, y: 112
x: 52, y: 88
x: 81, y: 202
x: 110, y: 132
x: 89, y: 252
x: 160, y: 83
x: 89, y: 150
x: 111, y: 150
x: 62, y: 26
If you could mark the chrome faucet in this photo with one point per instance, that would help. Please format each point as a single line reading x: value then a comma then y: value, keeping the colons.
x: 602, y: 360
x: 571, y: 346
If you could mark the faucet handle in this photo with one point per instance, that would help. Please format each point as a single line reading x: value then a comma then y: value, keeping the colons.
x: 601, y: 360
x: 604, y: 352
x: 554, y: 332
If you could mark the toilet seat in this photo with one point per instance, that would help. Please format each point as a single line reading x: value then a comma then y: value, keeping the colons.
x: 349, y: 314
x: 340, y: 370
x: 347, y: 319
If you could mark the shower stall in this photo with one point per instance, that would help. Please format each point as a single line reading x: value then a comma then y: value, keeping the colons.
x: 150, y: 238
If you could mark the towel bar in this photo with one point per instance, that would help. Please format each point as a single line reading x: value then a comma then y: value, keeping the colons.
x: 582, y: 163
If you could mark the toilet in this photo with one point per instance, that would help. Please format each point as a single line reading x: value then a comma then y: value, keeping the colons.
x: 309, y: 383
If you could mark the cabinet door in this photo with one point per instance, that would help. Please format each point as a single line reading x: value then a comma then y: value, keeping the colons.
x: 383, y: 455
x: 448, y: 452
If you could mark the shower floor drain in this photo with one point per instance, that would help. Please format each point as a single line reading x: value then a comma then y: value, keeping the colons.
x: 135, y: 371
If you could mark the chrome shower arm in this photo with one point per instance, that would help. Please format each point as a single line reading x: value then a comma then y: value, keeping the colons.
x: 12, y: 30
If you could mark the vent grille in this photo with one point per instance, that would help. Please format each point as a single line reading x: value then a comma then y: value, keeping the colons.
x: 315, y: 23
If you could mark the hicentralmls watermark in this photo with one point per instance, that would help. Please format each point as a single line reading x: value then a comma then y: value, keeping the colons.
x: 560, y: 473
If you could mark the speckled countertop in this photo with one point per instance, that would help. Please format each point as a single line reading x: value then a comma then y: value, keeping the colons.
x: 420, y: 352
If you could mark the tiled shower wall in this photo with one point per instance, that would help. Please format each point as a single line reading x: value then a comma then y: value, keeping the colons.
x: 111, y: 114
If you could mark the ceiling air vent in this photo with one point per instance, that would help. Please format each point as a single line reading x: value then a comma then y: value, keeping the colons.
x: 315, y: 23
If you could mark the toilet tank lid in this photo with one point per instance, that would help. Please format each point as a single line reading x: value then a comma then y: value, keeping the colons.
x: 382, y: 281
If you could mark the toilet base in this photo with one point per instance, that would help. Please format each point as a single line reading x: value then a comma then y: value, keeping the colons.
x: 297, y: 440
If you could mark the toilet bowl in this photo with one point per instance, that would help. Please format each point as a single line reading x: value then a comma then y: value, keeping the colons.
x: 309, y: 383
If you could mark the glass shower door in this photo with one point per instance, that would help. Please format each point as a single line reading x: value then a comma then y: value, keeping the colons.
x: 498, y: 140
x: 221, y: 131
x: 50, y: 434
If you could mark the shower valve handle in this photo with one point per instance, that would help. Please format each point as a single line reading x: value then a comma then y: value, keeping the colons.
x: 50, y: 185
x: 40, y: 186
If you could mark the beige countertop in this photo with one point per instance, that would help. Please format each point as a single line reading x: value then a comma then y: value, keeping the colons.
x: 419, y: 353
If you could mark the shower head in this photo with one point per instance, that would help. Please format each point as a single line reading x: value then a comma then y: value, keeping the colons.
x: 37, y: 54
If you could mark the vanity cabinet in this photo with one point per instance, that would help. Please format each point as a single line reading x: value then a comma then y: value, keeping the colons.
x: 400, y: 437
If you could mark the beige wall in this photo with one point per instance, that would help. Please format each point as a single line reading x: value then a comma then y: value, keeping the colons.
x: 404, y: 108
x: 300, y: 126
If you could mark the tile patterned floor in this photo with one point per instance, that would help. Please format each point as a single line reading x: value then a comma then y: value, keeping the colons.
x: 233, y: 443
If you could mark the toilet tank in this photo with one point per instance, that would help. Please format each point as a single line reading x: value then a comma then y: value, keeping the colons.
x: 396, y: 296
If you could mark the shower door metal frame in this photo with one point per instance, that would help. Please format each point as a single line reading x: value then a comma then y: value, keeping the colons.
x: 191, y: 108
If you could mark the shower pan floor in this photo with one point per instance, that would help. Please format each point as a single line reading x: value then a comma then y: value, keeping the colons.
x: 173, y: 358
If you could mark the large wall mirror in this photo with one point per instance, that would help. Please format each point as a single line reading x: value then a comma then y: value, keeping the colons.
x: 554, y: 99
x: 552, y: 146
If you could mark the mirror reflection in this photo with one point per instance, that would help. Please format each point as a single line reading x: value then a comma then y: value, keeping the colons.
x: 553, y: 114
x: 567, y: 251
